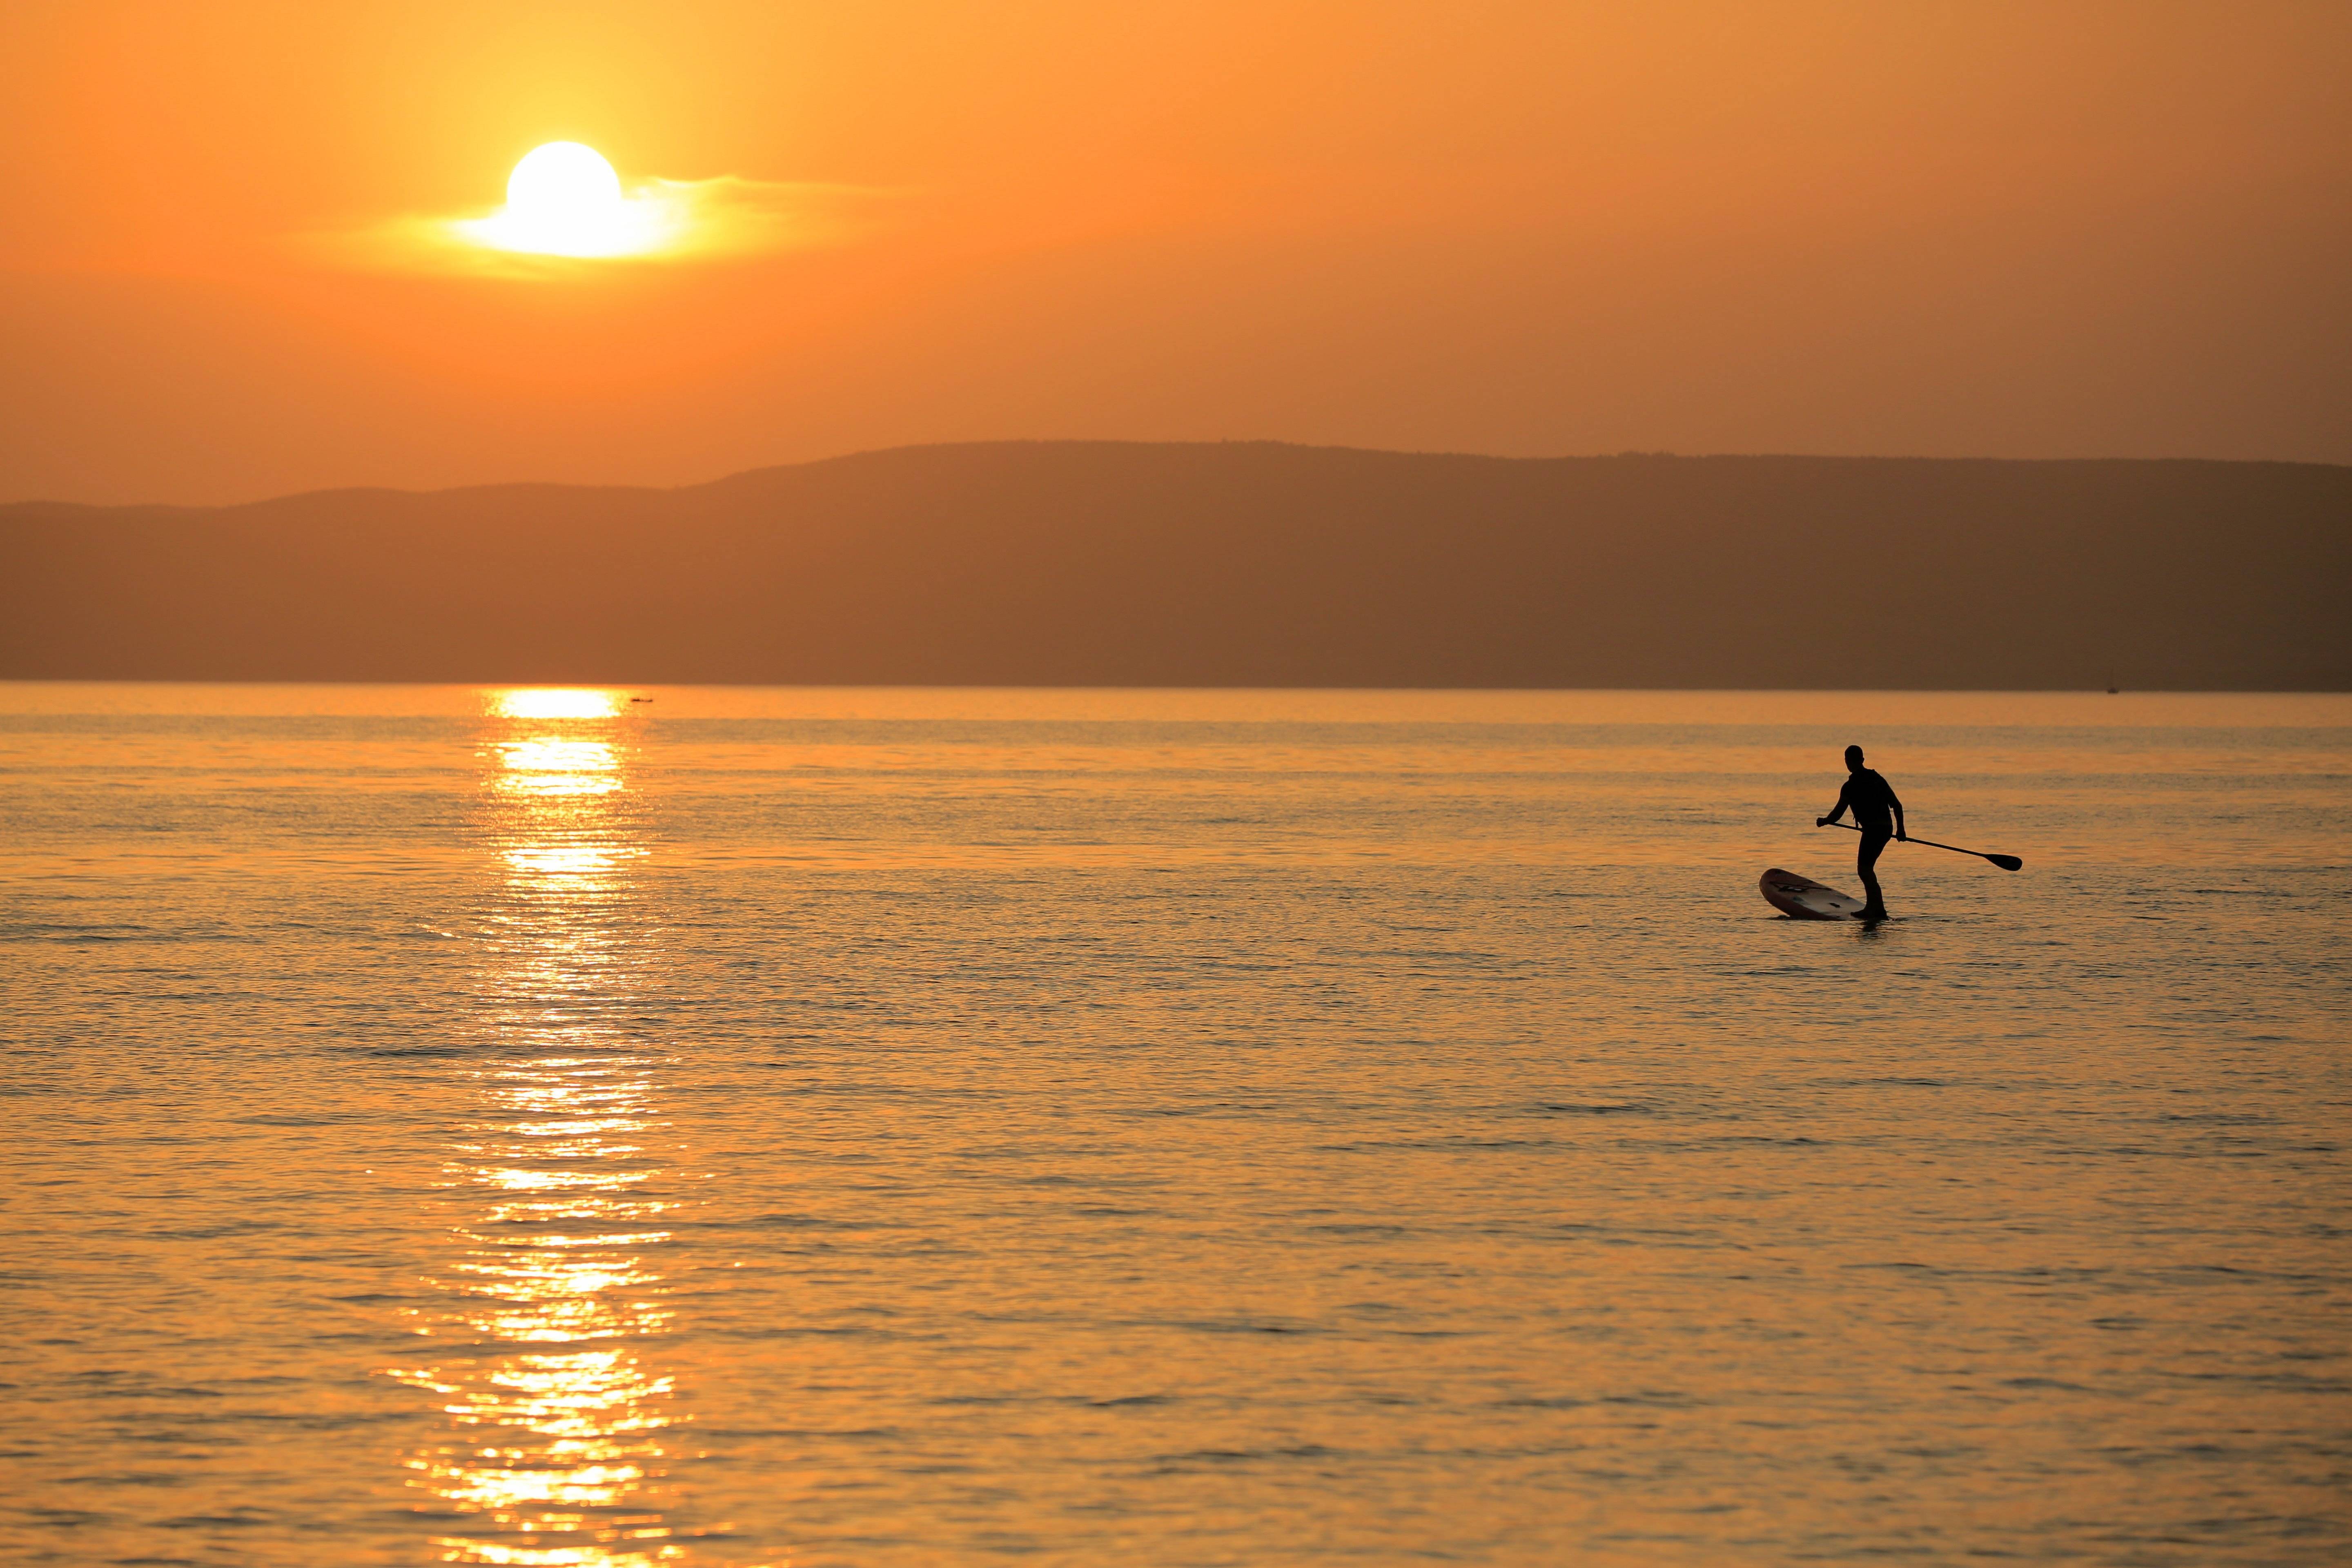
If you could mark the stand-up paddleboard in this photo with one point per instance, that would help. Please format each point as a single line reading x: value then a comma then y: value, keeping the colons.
x: 1803, y: 898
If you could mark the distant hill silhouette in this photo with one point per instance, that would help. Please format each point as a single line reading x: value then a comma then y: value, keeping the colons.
x: 1222, y: 564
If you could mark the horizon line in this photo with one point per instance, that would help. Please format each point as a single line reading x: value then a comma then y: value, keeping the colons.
x: 998, y: 685
x: 1625, y: 455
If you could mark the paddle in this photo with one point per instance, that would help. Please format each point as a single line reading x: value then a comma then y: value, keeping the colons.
x: 2005, y: 862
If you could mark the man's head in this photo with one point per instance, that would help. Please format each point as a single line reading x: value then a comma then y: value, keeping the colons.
x: 1854, y: 758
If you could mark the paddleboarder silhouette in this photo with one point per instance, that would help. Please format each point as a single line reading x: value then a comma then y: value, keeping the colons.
x: 1878, y: 813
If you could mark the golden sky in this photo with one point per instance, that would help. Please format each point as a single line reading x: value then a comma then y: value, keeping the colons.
x: 1972, y: 227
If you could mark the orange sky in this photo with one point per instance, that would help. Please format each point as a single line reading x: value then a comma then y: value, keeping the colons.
x: 2032, y: 229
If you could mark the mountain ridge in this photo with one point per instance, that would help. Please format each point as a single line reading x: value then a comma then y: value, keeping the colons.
x: 39, y: 502
x: 1226, y: 563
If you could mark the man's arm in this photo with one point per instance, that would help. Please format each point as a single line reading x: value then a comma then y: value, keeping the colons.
x: 1838, y: 810
x: 1896, y: 802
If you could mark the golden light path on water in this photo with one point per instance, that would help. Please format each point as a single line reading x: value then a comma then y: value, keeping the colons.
x: 546, y: 1363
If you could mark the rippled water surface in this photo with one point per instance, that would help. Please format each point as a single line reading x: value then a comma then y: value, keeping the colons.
x: 902, y: 1127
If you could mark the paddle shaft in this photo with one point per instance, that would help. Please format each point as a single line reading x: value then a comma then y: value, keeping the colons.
x: 2005, y: 862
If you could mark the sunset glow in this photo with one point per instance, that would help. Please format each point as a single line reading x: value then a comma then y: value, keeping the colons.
x: 1518, y: 229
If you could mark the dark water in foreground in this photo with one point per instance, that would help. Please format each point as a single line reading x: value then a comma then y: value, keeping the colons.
x: 823, y: 1127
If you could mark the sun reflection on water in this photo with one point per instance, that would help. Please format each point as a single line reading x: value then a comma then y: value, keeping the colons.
x: 555, y: 702
x: 554, y: 764
x: 545, y: 1353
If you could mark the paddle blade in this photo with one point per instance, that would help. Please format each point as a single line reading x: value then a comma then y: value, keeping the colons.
x: 2006, y: 862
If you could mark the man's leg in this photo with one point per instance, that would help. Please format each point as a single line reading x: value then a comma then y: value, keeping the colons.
x: 1866, y: 866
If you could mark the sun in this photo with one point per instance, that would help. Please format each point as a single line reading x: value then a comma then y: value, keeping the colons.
x: 564, y: 185
x: 565, y: 199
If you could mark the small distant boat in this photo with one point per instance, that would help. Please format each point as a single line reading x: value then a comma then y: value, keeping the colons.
x: 2112, y: 687
x: 649, y: 700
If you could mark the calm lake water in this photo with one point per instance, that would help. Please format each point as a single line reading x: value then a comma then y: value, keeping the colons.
x: 816, y: 1127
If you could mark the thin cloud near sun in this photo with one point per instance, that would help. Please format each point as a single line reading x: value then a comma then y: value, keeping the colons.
x: 567, y: 210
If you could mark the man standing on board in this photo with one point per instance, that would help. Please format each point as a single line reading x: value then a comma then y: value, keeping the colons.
x: 1872, y: 799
